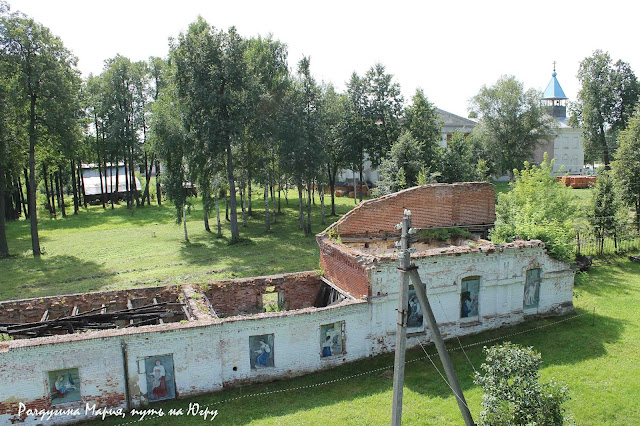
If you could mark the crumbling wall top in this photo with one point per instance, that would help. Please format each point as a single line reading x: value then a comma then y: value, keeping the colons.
x: 433, y: 205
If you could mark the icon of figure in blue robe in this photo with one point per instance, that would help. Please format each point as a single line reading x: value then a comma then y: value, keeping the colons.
x: 263, y: 354
x: 326, y: 347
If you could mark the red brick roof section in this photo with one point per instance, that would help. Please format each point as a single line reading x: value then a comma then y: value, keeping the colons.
x: 434, y: 205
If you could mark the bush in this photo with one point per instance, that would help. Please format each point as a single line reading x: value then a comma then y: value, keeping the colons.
x: 513, y: 394
x: 537, y: 207
x: 442, y: 234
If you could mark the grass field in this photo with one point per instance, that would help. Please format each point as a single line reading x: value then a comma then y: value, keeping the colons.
x: 121, y: 248
x: 595, y: 354
x: 111, y: 249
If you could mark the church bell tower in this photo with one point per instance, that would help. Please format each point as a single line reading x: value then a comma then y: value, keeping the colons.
x: 554, y: 100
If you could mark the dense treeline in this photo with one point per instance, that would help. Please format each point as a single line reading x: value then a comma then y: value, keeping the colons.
x: 229, y: 116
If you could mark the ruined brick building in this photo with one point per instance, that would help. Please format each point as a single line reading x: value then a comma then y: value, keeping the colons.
x: 210, y: 336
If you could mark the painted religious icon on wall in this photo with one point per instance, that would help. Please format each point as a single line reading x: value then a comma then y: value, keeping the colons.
x: 469, y: 297
x: 414, y: 310
x: 161, y: 383
x: 532, y: 289
x: 261, y: 351
x: 331, y: 339
x: 64, y: 386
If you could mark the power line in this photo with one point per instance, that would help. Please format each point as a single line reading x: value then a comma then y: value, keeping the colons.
x: 364, y: 373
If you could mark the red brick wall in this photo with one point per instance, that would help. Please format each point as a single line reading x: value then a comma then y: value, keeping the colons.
x: 342, y: 268
x: 435, y: 205
x: 244, y: 296
x: 31, y: 310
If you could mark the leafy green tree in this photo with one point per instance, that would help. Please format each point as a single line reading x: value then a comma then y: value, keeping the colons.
x: 357, y: 126
x: 401, y: 167
x: 457, y: 163
x: 424, y: 124
x: 605, y: 214
x: 537, y: 207
x: 384, y: 109
x: 170, y: 143
x: 124, y: 102
x: 159, y: 79
x: 512, y: 122
x: 11, y: 150
x: 212, y: 84
x: 513, y: 394
x: 267, y: 65
x: 372, y: 118
x: 300, y: 152
x: 605, y: 102
x: 44, y: 71
x: 332, y: 133
x: 626, y: 167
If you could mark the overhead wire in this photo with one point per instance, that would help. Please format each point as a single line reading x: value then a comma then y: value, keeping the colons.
x: 364, y: 373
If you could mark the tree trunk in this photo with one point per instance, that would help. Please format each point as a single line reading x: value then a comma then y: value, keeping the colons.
x: 216, y: 193
x: 249, y: 190
x: 300, y: 208
x: 4, y: 247
x: 147, y: 172
x: 206, y: 201
x: 243, y: 199
x: 17, y: 197
x: 27, y: 185
x: 332, y: 189
x: 267, y: 219
x: 127, y: 187
x: 274, y: 217
x: 113, y: 194
x: 76, y: 204
x: 55, y: 179
x: 62, y: 206
x: 35, y: 240
x: 133, y: 184
x: 81, y: 184
x: 184, y: 222
x: 22, y: 200
x: 360, y: 185
x: 226, y: 207
x: 308, y: 230
x: 46, y: 188
x: 321, y: 195
x: 605, y: 149
x: 235, y: 233
x: 53, y: 201
x: 103, y: 189
x: 158, y: 188
x: 355, y: 190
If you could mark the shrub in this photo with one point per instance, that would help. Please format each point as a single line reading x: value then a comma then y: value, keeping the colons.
x: 513, y: 394
x: 537, y: 207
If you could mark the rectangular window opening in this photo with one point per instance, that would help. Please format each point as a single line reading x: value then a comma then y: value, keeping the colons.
x: 532, y: 289
x: 469, y: 294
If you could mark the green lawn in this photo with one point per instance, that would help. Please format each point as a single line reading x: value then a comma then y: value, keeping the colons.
x: 112, y: 249
x: 595, y: 354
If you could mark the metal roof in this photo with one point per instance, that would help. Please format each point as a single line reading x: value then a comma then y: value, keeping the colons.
x: 553, y: 90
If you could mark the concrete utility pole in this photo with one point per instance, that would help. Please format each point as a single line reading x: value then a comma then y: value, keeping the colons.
x: 404, y: 260
x: 410, y: 270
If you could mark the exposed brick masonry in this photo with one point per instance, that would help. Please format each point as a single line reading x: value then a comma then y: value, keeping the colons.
x: 342, y: 268
x: 435, y: 205
x: 31, y: 310
x: 244, y: 296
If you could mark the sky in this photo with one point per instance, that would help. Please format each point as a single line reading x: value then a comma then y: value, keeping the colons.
x: 450, y: 49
